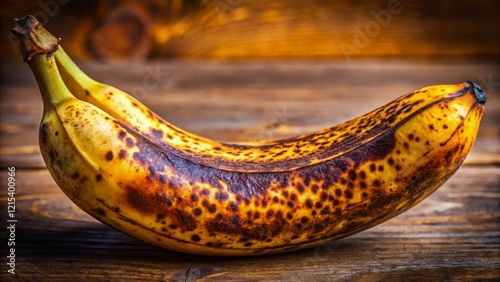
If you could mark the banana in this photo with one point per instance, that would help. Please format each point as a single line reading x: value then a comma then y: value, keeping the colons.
x: 131, y: 170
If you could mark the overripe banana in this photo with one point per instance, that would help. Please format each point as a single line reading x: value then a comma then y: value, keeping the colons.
x: 138, y: 174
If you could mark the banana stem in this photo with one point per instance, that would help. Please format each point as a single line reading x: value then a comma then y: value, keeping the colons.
x: 38, y: 46
x: 70, y: 71
x: 47, y: 76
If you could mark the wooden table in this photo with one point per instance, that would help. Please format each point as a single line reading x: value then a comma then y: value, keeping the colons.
x: 452, y: 235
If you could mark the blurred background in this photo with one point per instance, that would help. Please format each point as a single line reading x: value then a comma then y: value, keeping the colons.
x: 265, y: 30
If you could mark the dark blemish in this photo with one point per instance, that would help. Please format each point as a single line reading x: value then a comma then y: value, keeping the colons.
x: 307, y: 180
x: 318, y: 227
x: 309, y: 204
x: 324, y: 196
x: 276, y: 199
x: 233, y: 206
x: 221, y: 196
x: 285, y: 194
x: 373, y: 167
x: 75, y: 175
x: 57, y: 133
x: 98, y: 177
x: 109, y: 155
x: 194, y: 197
x: 326, y: 210
x: 163, y: 179
x: 289, y: 216
x: 304, y: 220
x: 157, y: 133
x: 380, y: 168
x: 352, y: 174
x: 264, y: 203
x: 348, y: 194
x: 290, y: 204
x: 315, y: 188
x: 123, y: 154
x: 205, y: 192
x: 362, y: 174
x: 411, y: 137
x: 44, y: 131
x: 390, y: 161
x: 122, y: 134
x: 362, y: 185
x: 140, y: 200
x: 376, y: 183
x: 152, y: 170
x: 318, y: 205
x: 184, y: 220
x: 140, y: 157
x: 212, y: 208
x: 205, y: 203
x: 445, y: 126
x: 269, y: 213
x: 338, y: 192
x: 431, y: 126
x: 197, y: 211
x: 130, y: 143
x: 406, y: 145
x: 398, y: 167
x: 301, y: 188
x: 100, y: 211
x: 87, y: 92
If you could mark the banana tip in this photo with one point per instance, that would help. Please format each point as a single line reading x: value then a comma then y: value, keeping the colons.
x: 478, y: 92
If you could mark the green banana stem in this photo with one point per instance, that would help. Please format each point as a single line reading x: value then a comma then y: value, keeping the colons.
x: 51, y: 85
x: 37, y: 46
x: 67, y: 66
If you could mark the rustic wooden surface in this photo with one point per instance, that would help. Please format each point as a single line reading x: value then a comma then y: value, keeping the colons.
x: 250, y: 29
x: 453, y: 235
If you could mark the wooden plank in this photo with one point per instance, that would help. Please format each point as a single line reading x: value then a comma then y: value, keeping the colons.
x: 238, y: 102
x: 453, y: 235
x: 260, y: 29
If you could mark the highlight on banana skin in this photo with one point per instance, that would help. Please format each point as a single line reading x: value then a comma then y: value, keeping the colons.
x: 136, y: 172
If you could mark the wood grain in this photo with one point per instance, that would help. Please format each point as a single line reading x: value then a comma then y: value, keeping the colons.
x: 452, y: 235
x: 260, y: 29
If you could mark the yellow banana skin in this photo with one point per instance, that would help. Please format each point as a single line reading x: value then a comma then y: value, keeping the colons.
x: 342, y: 180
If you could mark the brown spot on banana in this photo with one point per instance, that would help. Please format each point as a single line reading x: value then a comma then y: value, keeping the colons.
x: 361, y: 193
